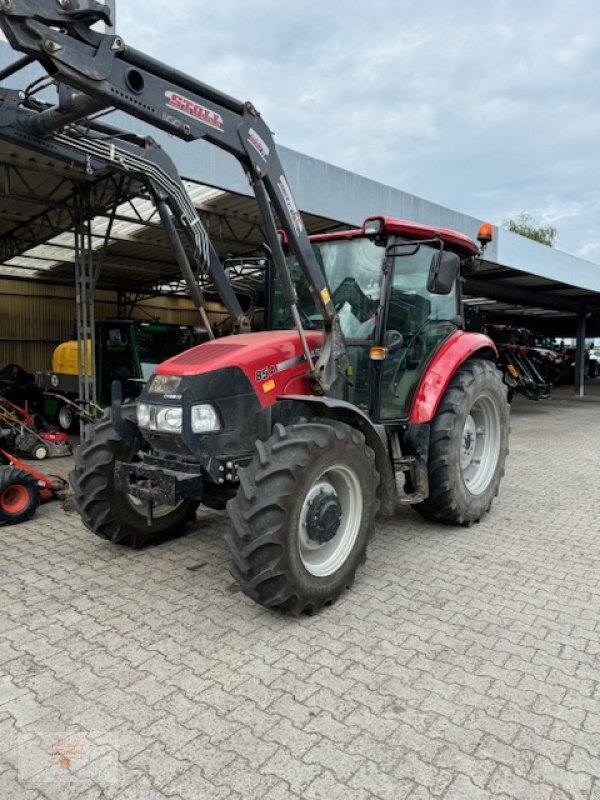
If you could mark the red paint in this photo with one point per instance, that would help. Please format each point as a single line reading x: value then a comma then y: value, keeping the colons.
x: 53, y: 436
x: 260, y: 356
x: 412, y: 230
x: 453, y: 352
x: 298, y: 385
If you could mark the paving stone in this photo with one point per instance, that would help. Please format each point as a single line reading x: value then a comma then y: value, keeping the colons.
x: 298, y: 774
x: 158, y: 765
x: 463, y: 665
x: 193, y: 784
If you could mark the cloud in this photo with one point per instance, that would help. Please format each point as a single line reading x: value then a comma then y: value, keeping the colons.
x: 486, y: 108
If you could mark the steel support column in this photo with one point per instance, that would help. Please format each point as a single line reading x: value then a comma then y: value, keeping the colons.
x: 85, y: 285
x: 580, y: 355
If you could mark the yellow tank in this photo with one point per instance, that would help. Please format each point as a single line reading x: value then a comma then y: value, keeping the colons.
x: 65, y: 358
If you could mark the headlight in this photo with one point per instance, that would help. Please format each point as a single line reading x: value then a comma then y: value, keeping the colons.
x: 143, y: 415
x: 205, y: 419
x: 168, y: 418
x: 373, y: 226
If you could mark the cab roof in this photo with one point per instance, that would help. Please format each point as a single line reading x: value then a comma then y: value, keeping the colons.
x: 411, y: 230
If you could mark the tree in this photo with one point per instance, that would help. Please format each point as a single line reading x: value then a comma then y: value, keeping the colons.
x: 526, y: 225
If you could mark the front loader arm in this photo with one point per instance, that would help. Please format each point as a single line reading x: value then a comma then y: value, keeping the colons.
x: 108, y: 74
x: 97, y: 147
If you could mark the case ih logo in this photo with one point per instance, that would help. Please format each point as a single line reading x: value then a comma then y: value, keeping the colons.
x: 289, y: 202
x: 194, y: 110
x: 258, y: 144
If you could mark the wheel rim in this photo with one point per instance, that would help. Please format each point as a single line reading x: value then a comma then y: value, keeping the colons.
x: 14, y: 499
x: 158, y: 511
x: 40, y: 452
x: 480, y: 444
x: 65, y: 417
x: 323, y: 559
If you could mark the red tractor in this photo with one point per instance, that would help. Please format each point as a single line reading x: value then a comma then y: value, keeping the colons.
x: 419, y: 416
x: 364, y: 392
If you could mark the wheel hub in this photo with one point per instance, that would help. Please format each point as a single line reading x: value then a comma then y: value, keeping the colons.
x: 469, y: 441
x: 323, y: 517
x: 330, y: 520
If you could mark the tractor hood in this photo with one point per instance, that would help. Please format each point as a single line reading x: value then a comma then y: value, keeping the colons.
x: 234, y: 381
x: 272, y: 362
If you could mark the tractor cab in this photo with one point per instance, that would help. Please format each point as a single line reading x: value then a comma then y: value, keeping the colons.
x: 395, y: 287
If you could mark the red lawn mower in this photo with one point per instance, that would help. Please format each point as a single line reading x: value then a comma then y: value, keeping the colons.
x: 20, y: 431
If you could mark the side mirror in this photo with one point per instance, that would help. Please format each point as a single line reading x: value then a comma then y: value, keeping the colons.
x: 393, y: 341
x: 443, y: 272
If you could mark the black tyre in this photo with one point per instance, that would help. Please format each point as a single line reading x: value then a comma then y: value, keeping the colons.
x: 107, y: 512
x: 303, y: 516
x: 468, y: 445
x: 19, y: 495
x: 67, y: 419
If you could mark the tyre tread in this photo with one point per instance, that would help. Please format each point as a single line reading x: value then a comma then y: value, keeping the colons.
x: 441, y: 505
x: 258, y: 512
x: 94, y: 492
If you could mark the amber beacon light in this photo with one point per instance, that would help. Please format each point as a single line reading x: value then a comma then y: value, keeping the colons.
x: 486, y: 233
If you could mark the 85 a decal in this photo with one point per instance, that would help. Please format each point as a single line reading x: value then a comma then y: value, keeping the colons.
x: 265, y: 373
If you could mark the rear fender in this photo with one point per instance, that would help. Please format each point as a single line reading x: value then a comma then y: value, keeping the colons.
x: 453, y: 352
x: 375, y: 435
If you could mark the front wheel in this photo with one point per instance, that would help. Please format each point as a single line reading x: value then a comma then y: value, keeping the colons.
x: 303, y: 516
x: 468, y: 446
x: 104, y: 510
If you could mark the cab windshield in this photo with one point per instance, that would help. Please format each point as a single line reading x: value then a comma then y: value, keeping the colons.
x: 409, y: 314
x: 352, y: 268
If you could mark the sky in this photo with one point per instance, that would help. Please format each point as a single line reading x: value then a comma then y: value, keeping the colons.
x: 490, y: 109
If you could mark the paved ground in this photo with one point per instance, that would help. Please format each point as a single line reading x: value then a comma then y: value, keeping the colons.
x: 465, y: 663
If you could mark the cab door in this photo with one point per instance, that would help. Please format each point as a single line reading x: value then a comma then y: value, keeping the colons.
x: 423, y: 320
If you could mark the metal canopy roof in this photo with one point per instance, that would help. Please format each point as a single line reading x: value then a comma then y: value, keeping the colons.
x: 529, y: 300
x: 39, y: 203
x: 37, y: 216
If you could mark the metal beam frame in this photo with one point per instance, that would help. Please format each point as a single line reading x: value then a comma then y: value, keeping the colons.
x: 527, y: 297
x: 580, y: 355
x: 62, y: 215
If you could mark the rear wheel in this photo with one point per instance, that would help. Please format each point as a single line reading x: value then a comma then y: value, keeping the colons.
x: 468, y: 446
x: 107, y: 512
x: 303, y: 516
x: 19, y: 495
